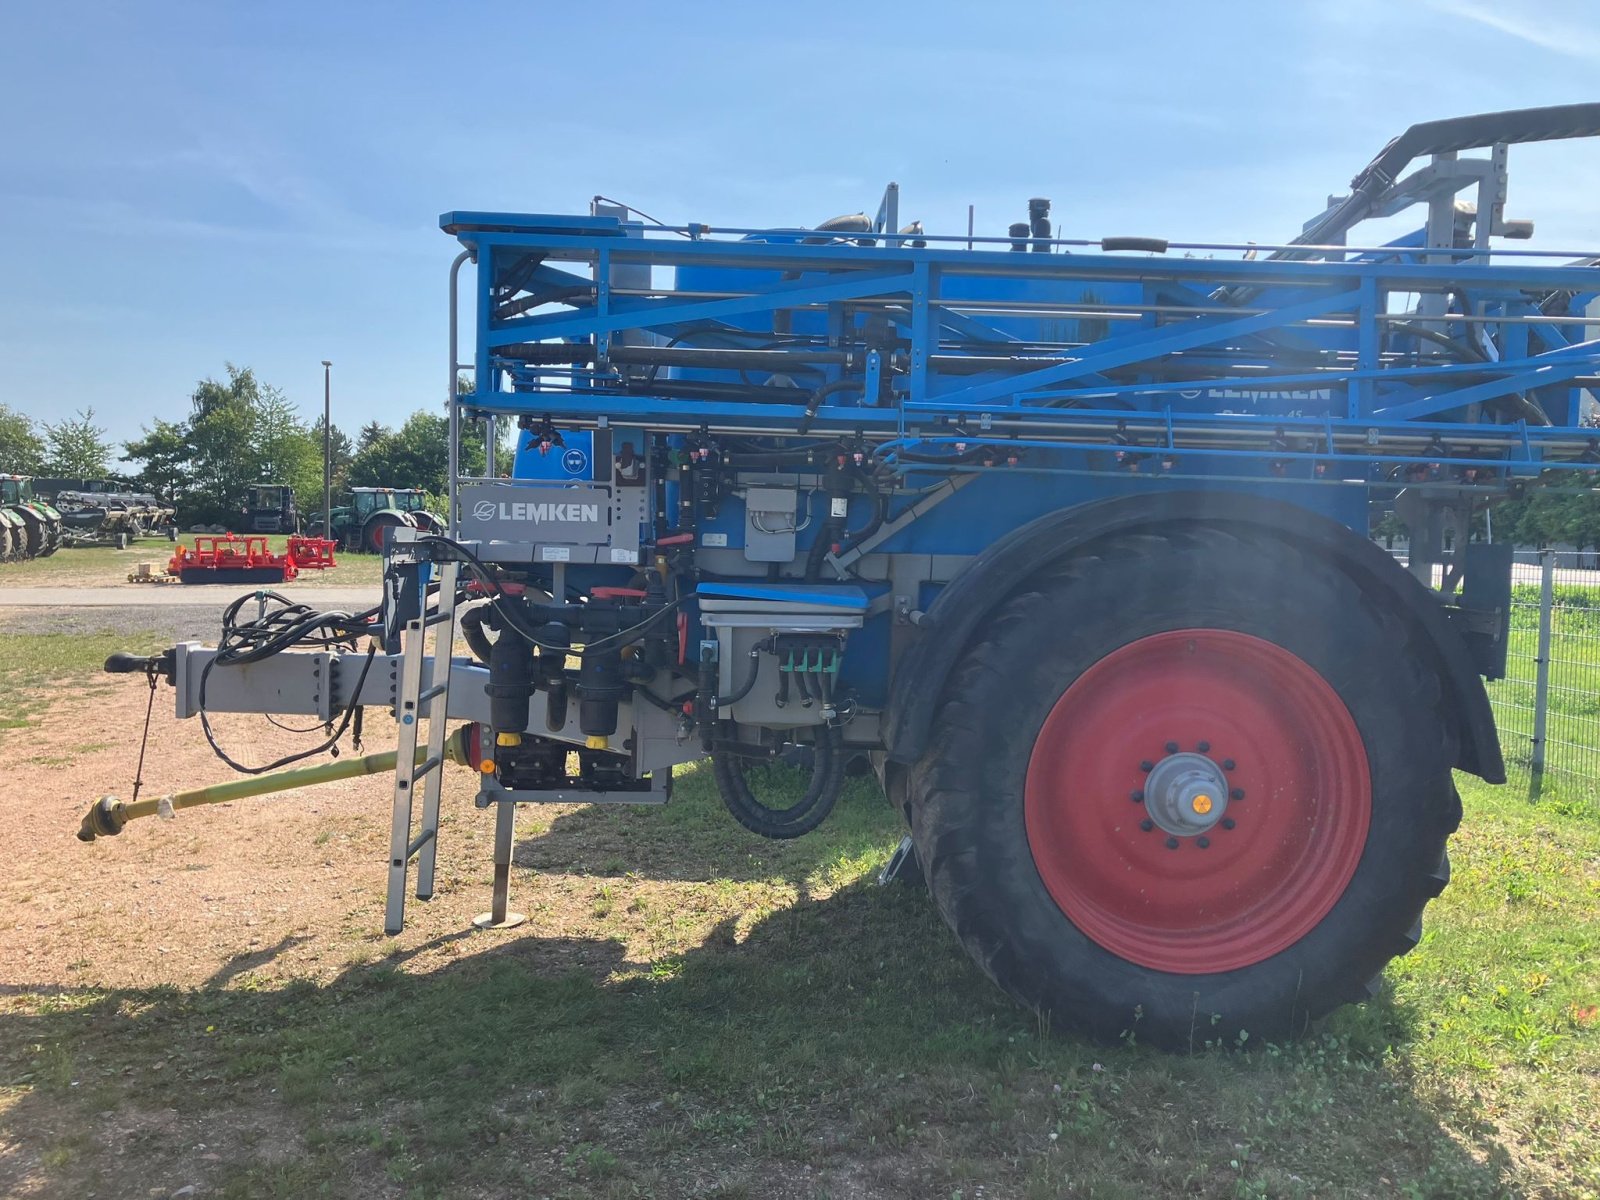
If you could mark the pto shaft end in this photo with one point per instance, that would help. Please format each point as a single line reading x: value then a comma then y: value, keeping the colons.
x: 105, y: 818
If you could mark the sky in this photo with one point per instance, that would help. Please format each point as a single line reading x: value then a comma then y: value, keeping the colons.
x: 185, y: 185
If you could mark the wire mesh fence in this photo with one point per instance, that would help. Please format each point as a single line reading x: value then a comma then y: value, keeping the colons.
x: 1548, y: 705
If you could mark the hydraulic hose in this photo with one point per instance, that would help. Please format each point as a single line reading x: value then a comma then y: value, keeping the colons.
x: 806, y: 813
x: 471, y: 624
x: 743, y: 690
x: 821, y: 394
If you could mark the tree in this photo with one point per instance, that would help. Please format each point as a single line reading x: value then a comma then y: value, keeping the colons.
x: 22, y: 450
x: 1549, y: 516
x: 416, y: 455
x: 164, y: 451
x: 239, y: 432
x: 77, y: 448
x: 371, y: 434
x: 340, y: 452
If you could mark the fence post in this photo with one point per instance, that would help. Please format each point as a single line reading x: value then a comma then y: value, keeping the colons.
x: 1541, y: 679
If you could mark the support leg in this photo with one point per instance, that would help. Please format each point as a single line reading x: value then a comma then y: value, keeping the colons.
x: 497, y: 917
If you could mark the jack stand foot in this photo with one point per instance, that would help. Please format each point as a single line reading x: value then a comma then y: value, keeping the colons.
x: 488, y: 921
x: 497, y: 917
x: 902, y: 866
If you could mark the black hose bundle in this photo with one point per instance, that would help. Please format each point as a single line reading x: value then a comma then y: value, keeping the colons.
x: 806, y: 813
x: 275, y: 630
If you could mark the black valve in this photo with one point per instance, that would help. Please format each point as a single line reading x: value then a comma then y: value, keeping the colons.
x: 510, y: 685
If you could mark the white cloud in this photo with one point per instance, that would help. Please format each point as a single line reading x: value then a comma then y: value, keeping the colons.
x: 1547, y: 31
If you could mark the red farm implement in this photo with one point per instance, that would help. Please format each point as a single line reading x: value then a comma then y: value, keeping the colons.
x: 232, y: 559
x: 312, y: 553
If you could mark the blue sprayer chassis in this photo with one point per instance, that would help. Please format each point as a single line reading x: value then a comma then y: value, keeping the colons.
x: 1067, y: 540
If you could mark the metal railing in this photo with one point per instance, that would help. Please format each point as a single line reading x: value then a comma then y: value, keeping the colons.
x: 1548, y: 705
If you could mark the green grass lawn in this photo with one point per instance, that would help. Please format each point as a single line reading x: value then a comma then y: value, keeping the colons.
x: 794, y: 1029
x: 31, y: 662
x: 828, y: 1037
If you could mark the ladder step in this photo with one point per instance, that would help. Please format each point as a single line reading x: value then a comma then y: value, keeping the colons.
x: 437, y: 689
x: 423, y: 768
x: 418, y: 842
x: 442, y: 615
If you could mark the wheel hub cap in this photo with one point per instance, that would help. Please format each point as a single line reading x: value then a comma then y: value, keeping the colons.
x: 1186, y: 794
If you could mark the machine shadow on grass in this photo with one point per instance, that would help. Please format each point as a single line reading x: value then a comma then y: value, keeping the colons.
x: 692, y: 838
x: 843, y: 1041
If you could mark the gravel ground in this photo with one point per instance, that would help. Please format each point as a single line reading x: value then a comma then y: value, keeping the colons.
x: 180, y: 624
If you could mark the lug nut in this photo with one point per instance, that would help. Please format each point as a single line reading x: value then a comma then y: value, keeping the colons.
x: 1202, y: 842
x: 1147, y: 765
x: 1172, y: 843
x: 1147, y: 824
x: 1227, y: 764
x: 1172, y: 747
x: 1136, y: 796
x: 1228, y: 822
x: 1203, y: 747
x: 1236, y: 794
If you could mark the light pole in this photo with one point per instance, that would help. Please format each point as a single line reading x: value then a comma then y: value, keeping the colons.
x: 327, y: 448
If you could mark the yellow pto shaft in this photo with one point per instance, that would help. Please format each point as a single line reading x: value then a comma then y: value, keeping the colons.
x: 108, y: 815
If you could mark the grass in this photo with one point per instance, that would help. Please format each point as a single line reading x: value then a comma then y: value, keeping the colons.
x: 693, y: 1011
x: 104, y: 565
x: 30, y: 662
x: 729, y: 1014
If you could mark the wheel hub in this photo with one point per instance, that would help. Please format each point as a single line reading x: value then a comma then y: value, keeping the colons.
x: 1219, y: 862
x: 1186, y: 794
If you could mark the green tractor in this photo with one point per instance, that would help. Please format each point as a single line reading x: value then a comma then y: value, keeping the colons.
x: 30, y: 527
x: 366, y: 514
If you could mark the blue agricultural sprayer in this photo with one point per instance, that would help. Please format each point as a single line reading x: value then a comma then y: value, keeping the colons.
x: 1067, y: 539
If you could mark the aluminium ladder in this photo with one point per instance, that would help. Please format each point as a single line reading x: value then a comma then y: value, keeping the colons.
x: 424, y: 697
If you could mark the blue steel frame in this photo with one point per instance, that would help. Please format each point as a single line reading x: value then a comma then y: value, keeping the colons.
x: 970, y: 365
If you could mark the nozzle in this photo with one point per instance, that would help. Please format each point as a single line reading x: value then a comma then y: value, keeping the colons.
x: 105, y: 818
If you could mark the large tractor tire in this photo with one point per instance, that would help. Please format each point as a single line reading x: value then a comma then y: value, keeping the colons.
x: 53, y: 537
x: 35, y: 534
x: 1187, y: 787
x: 7, y: 550
x: 375, y: 531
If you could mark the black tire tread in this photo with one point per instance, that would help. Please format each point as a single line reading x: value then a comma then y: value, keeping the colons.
x: 948, y: 813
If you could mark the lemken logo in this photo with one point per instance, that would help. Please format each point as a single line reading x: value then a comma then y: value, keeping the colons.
x: 486, y: 510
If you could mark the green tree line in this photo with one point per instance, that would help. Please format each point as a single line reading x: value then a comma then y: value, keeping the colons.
x: 76, y: 447
x: 240, y: 431
x: 1550, y: 516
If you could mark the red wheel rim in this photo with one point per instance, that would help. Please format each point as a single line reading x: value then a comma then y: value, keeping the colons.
x: 1300, y: 801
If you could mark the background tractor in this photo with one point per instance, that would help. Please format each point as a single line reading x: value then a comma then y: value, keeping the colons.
x: 36, y: 530
x: 361, y: 522
x: 269, y: 508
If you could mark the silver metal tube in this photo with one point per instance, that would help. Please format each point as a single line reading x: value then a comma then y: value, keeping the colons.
x: 1541, y: 679
x: 327, y: 448
x: 454, y: 457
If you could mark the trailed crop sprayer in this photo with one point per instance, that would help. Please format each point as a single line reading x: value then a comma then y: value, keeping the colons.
x: 1066, y: 538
